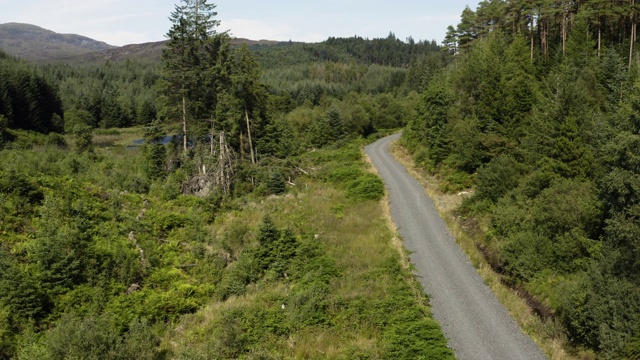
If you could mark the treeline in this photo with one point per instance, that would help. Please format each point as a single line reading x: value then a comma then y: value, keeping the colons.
x: 27, y: 100
x: 37, y: 98
x: 550, y: 144
x: 338, y: 66
x: 389, y: 51
x: 123, y: 94
x: 547, y: 24
x: 114, y: 94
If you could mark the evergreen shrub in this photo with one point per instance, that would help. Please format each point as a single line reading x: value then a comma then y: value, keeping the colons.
x: 366, y: 187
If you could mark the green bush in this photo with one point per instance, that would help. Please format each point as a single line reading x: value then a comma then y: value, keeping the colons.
x: 496, y: 178
x: 418, y: 339
x: 275, y: 184
x: 84, y: 138
x: 307, y: 302
x: 343, y: 175
x: 154, y: 156
x: 108, y: 132
x: 172, y: 187
x: 93, y: 337
x: 366, y: 187
x: 55, y: 139
x: 527, y: 254
x: 633, y: 349
x: 600, y: 311
x: 248, y: 269
x: 456, y: 181
x: 422, y: 158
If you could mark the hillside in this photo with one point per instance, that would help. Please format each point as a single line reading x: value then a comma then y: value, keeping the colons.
x: 151, y: 51
x: 34, y: 43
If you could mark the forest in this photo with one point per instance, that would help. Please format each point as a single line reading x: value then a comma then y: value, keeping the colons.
x: 537, y: 111
x: 213, y: 204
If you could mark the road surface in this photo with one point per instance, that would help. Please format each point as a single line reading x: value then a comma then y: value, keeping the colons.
x: 477, y: 326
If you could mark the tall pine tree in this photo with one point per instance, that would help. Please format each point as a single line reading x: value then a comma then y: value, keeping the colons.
x: 184, y: 59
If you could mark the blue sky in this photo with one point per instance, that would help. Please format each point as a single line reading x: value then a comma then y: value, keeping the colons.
x: 121, y: 22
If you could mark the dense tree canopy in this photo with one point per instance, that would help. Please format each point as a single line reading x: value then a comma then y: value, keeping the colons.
x: 537, y: 110
x: 27, y: 100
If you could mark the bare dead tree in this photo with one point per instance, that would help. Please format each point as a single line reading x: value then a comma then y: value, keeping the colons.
x: 224, y: 173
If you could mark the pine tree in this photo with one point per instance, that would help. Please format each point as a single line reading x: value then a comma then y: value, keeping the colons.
x: 450, y: 42
x: 467, y: 29
x: 580, y: 46
x: 336, y: 125
x: 84, y: 138
x: 184, y: 58
x: 153, y: 151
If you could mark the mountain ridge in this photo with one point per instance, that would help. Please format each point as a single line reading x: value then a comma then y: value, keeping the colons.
x: 151, y: 51
x: 36, y: 44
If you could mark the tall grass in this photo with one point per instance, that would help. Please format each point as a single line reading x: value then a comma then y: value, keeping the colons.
x: 369, y: 305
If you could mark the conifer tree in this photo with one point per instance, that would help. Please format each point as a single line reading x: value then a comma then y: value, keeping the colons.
x: 193, y: 25
x: 467, y: 28
x: 336, y: 125
x: 153, y: 151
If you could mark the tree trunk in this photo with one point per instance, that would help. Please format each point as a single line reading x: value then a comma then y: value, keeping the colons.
x: 224, y: 172
x: 564, y: 34
x: 531, y: 36
x: 184, y: 122
x: 544, y: 44
x: 633, y: 33
x: 599, y: 38
x: 211, y: 142
x: 246, y: 115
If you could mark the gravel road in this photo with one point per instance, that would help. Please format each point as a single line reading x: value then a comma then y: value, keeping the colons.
x: 476, y: 324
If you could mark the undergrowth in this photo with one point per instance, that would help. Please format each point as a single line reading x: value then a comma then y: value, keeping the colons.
x: 98, y: 261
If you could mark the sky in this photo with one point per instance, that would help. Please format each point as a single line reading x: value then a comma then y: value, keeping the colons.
x: 122, y: 22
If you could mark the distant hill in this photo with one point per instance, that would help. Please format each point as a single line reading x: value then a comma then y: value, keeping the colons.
x: 34, y: 43
x: 147, y: 51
